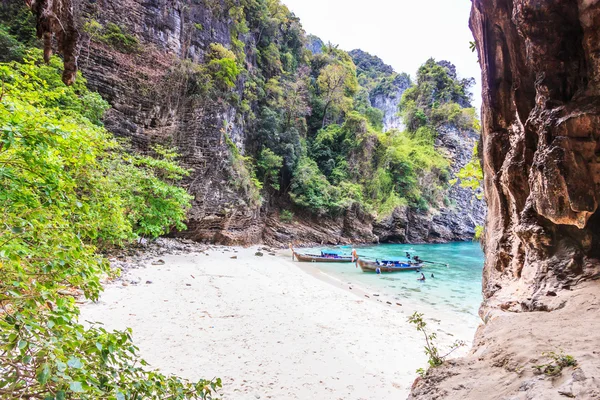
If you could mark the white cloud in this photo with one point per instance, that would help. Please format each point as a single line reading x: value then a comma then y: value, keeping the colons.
x: 404, y: 33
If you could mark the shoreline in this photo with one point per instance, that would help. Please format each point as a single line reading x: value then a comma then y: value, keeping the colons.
x: 269, y: 327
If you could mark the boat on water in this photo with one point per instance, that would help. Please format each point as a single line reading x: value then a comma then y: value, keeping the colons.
x: 388, y: 266
x: 323, y: 257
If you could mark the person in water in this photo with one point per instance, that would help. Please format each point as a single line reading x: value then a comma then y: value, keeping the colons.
x: 432, y: 276
x: 422, y: 278
x: 408, y: 255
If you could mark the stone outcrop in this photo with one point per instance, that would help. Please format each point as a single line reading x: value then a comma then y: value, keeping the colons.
x: 388, y: 103
x: 541, y: 156
x: 541, y: 146
x: 55, y: 22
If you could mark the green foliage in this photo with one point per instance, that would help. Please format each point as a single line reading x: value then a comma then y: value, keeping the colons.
x: 244, y: 173
x: 19, y: 22
x: 270, y: 60
x: 438, y: 97
x: 435, y: 358
x: 286, y: 216
x: 93, y: 28
x: 417, y: 171
x: 10, y: 48
x: 223, y: 66
x: 114, y: 36
x: 68, y: 188
x: 310, y: 187
x: 471, y: 175
x: 375, y: 117
x: 388, y: 203
x: 479, y: 231
x: 376, y: 76
x: 337, y: 84
x: 269, y: 166
x: 154, y: 204
x: 558, y: 362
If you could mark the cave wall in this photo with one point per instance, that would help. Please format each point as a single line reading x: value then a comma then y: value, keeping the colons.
x: 541, y: 147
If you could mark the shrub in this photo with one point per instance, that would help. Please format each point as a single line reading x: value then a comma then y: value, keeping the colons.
x: 558, y: 361
x: 269, y: 167
x: 68, y: 188
x: 10, y: 48
x: 310, y: 188
x: 435, y: 357
x: 223, y: 66
x: 286, y: 216
x: 116, y: 37
x: 471, y: 175
x: 244, y: 174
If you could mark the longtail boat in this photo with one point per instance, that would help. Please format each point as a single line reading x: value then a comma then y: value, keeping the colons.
x: 384, y: 266
x: 323, y: 257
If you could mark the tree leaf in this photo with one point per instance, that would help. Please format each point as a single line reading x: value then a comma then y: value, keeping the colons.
x: 43, y: 373
x: 74, y: 362
x: 61, y: 366
x: 76, y: 387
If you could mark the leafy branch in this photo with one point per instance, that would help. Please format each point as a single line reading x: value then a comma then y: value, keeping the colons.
x: 435, y: 359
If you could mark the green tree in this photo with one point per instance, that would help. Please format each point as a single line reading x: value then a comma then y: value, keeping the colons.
x: 269, y: 167
x: 438, y: 97
x: 335, y: 83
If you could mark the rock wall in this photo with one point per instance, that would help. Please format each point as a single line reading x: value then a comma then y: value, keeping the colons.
x: 388, y: 103
x: 541, y: 153
x: 541, y: 146
x: 151, y: 103
x: 456, y: 221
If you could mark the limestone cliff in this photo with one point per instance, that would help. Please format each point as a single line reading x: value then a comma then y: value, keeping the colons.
x: 457, y: 219
x: 144, y: 57
x: 153, y: 101
x: 541, y: 148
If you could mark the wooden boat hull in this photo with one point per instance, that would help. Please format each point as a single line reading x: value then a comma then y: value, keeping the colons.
x: 316, y: 258
x: 369, y: 266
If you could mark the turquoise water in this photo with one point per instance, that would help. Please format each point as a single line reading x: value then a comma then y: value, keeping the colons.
x: 454, y: 291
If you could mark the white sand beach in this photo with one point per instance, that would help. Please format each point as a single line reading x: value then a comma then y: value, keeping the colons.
x: 269, y: 327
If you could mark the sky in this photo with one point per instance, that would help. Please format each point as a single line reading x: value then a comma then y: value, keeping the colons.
x: 403, y: 33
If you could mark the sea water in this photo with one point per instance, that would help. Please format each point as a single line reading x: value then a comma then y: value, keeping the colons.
x: 450, y: 293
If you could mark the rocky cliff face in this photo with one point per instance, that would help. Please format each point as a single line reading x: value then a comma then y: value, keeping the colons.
x: 462, y: 213
x: 388, y: 103
x: 152, y: 102
x: 541, y: 149
x: 155, y: 99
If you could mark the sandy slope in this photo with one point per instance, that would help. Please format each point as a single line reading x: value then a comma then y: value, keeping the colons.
x: 268, y: 328
x: 506, y: 349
